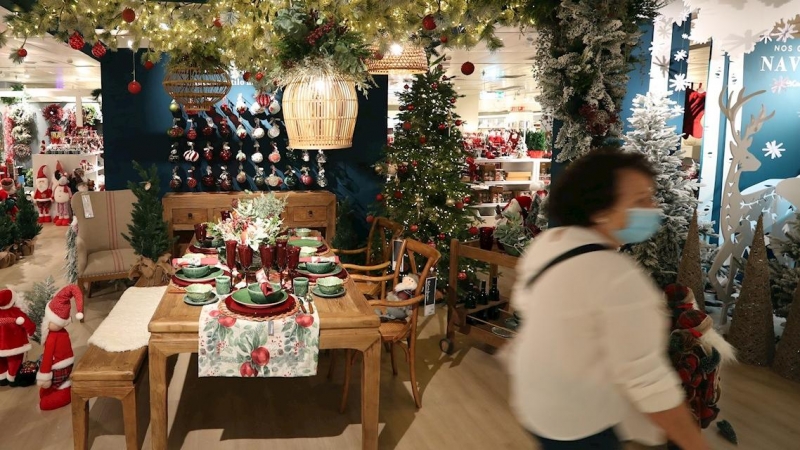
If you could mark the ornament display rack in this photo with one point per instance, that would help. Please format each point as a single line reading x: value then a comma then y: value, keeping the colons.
x: 539, y: 173
x: 457, y: 313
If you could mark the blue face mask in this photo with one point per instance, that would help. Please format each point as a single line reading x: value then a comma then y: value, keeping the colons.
x: 642, y: 224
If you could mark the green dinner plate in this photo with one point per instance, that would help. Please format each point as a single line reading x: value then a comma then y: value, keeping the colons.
x: 336, y: 270
x: 305, y: 243
x: 215, y: 272
x: 242, y: 297
x: 315, y: 290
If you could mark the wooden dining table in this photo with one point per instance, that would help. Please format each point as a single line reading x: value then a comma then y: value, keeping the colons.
x: 345, y: 323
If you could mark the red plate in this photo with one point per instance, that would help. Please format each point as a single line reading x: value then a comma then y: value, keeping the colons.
x: 277, y: 310
x: 204, y: 251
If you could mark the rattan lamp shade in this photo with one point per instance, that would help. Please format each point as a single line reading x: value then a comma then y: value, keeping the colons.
x: 197, y: 89
x: 320, y: 112
x: 410, y: 61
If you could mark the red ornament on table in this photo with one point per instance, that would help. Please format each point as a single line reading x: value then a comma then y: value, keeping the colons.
x: 474, y: 231
x: 443, y: 39
x: 98, y: 50
x: 22, y: 53
x: 423, y: 139
x: 259, y: 76
x: 406, y: 126
x: 413, y: 228
x: 429, y: 23
x: 134, y: 87
x: 467, y: 68
x: 379, y: 197
x: 370, y: 218
x: 76, y: 41
x: 148, y: 65
x: 462, y: 276
x: 398, y: 195
x: 128, y: 15
x: 246, y: 76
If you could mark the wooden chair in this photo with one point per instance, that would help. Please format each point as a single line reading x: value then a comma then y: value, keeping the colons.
x: 377, y: 256
x: 400, y: 333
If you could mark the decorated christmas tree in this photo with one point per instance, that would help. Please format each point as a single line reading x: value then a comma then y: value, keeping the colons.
x: 27, y: 219
x: 661, y: 255
x: 8, y: 231
x: 785, y: 272
x: 36, y: 301
x: 423, y: 189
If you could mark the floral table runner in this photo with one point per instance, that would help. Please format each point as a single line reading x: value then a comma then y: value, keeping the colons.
x: 233, y: 347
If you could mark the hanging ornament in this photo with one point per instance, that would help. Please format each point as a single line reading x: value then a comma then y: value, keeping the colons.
x: 191, y: 181
x: 241, y: 132
x: 217, y: 23
x: 458, y: 122
x: 429, y: 22
x: 246, y: 76
x: 259, y: 76
x: 443, y: 39
x: 174, y: 106
x: 459, y: 205
x: 321, y: 180
x: 379, y: 197
x: 410, y: 107
x: 257, y: 157
x: 208, y: 152
x: 208, y: 178
x: 378, y: 169
x: 240, y: 156
x: 273, y: 180
x: 260, y: 178
x: 290, y: 178
x: 305, y: 176
x: 418, y: 199
x: 76, y: 41
x: 263, y: 99
x: 98, y: 50
x: 442, y: 236
x: 306, y: 157
x: 241, y: 106
x: 450, y: 202
x: 406, y: 126
x: 175, y: 183
x: 134, y: 87
x: 414, y: 163
x: 398, y: 195
x: 256, y: 109
x: 175, y: 131
x: 403, y: 168
x: 431, y: 244
x: 462, y: 276
x: 423, y: 140
x: 370, y: 218
x: 406, y: 87
x: 191, y: 155
x: 391, y: 169
x: 274, y: 131
x: 224, y: 130
x: 208, y: 130
x: 321, y: 157
x: 467, y: 68
x: 442, y: 127
x: 453, y: 100
x: 148, y: 65
x: 274, y: 107
x: 434, y: 85
x: 377, y: 55
x: 414, y: 228
x: 225, y: 179
x: 128, y: 15
x: 226, y: 154
x: 258, y: 131
x: 275, y: 156
x: 474, y: 230
x: 174, y: 157
x: 192, y: 133
x: 241, y: 177
x: 467, y: 199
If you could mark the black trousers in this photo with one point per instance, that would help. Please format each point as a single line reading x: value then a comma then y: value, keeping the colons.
x: 604, y: 440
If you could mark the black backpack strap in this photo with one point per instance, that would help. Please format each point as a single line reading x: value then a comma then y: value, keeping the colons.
x: 583, y: 249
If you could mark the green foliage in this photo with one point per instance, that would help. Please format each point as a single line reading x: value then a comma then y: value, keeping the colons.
x: 346, y: 237
x: 536, y: 140
x: 512, y: 233
x: 71, y: 258
x: 726, y: 430
x: 15, y: 87
x: 147, y: 232
x: 27, y: 219
x: 36, y: 301
x: 29, y: 177
x: 785, y: 273
x: 202, y: 55
x: 8, y: 231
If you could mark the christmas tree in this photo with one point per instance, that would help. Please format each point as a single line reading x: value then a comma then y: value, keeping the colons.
x: 36, y: 301
x: 147, y: 232
x: 71, y: 258
x: 661, y: 255
x: 785, y: 272
x: 423, y: 189
x: 346, y: 237
x: 8, y: 231
x: 27, y: 219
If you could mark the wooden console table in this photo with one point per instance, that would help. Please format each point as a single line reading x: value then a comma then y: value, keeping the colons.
x: 182, y: 210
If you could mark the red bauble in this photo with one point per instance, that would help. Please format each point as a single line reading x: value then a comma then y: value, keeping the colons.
x: 413, y: 228
x: 134, y: 87
x: 259, y: 76
x: 423, y: 140
x: 148, y: 65
x: 434, y: 85
x: 453, y: 100
x: 429, y: 23
x: 370, y: 218
x: 377, y: 56
x: 402, y: 107
x: 442, y: 236
x: 467, y: 199
x: 443, y: 39
x: 459, y: 205
x: 398, y: 195
x: 246, y: 76
x: 431, y: 244
x: 403, y: 168
x: 462, y: 276
x: 470, y: 160
x: 410, y: 107
x: 414, y: 163
x: 76, y: 41
x: 406, y: 87
x: 379, y: 197
x: 474, y: 231
x: 406, y: 126
x: 98, y: 50
x: 128, y: 15
x: 22, y: 53
x: 458, y: 122
x: 217, y: 23
x: 191, y: 134
x: 467, y: 68
x: 442, y: 127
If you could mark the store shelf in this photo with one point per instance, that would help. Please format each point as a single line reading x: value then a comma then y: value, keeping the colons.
x: 95, y: 170
x: 512, y: 160
x: 504, y: 183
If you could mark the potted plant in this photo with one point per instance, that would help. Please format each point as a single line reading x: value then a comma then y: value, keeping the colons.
x: 148, y: 232
x: 512, y: 234
x: 536, y: 142
x: 28, y: 225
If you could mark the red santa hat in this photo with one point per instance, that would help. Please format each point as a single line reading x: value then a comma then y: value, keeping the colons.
x: 7, y: 183
x: 42, y: 173
x: 58, y: 309
x: 7, y: 300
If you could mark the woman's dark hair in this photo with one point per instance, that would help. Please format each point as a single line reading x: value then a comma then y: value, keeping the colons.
x: 589, y: 185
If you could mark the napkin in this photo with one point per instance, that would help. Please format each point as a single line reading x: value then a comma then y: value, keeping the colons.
x: 194, y: 259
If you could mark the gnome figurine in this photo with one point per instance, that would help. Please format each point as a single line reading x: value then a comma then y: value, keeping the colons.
x: 62, y: 195
x: 56, y: 366
x: 402, y: 292
x: 15, y: 329
x: 43, y: 196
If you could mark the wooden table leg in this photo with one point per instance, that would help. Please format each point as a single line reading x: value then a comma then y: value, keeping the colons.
x: 370, y: 395
x: 80, y: 422
x: 158, y: 397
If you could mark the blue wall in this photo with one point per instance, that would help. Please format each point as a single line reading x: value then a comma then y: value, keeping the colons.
x: 135, y: 128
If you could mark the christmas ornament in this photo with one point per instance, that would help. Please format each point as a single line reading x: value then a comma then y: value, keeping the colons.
x: 175, y: 131
x: 443, y: 39
x: 191, y: 155
x: 275, y: 156
x: 450, y: 202
x: 241, y: 132
x: 423, y: 140
x: 462, y: 276
x: 410, y: 107
x: 191, y: 182
x: 377, y: 55
x: 263, y: 99
x: 260, y: 178
x: 241, y: 106
x: 434, y: 85
x: 378, y: 169
x: 241, y: 177
x: 305, y: 176
x: 379, y: 197
x: 429, y: 23
x: 274, y: 131
x: 173, y: 154
x: 290, y: 178
x: 76, y: 41
x: 406, y: 126
x: 218, y: 24
x: 246, y: 76
x: 458, y: 122
x: 453, y: 100
x: 208, y: 130
x: 321, y: 158
x: 256, y: 109
x: 98, y: 50
x: 259, y: 76
x: 257, y: 157
x: 306, y: 157
x: 226, y: 154
x: 175, y: 183
x: 442, y: 236
x: 370, y: 218
x: 321, y: 180
x: 22, y: 53
x: 414, y: 163
x: 391, y: 169
x: 467, y: 68
x: 208, y: 178
x: 174, y: 106
x: 467, y: 199
x: 192, y: 133
x: 274, y: 107
x: 224, y: 130
x: 134, y: 87
x: 258, y: 131
x: 406, y: 87
x: 225, y: 179
x: 474, y: 231
x: 148, y: 65
x: 431, y: 244
x: 208, y: 152
x: 403, y: 168
x: 128, y: 15
x: 240, y: 156
x: 459, y: 205
x: 401, y: 107
x: 398, y: 195
x: 442, y: 127
x: 273, y: 179
x: 414, y: 228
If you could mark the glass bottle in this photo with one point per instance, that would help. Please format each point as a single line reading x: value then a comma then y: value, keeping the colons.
x: 470, y: 302
x: 483, y: 296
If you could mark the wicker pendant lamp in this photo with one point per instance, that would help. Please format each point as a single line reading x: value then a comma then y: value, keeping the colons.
x: 197, y: 89
x: 406, y: 59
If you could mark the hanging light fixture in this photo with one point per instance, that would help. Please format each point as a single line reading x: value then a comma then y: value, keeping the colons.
x: 409, y: 59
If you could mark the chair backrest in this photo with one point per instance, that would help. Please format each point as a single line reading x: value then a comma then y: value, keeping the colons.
x: 111, y: 211
x: 421, y: 259
x: 382, y: 234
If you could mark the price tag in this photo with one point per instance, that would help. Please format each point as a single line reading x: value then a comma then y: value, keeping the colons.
x: 88, y: 211
x: 430, y: 296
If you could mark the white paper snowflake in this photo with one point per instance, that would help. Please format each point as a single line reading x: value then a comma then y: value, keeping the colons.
x: 774, y: 149
x: 663, y: 64
x: 657, y: 47
x: 678, y: 110
x: 780, y: 84
x: 765, y: 38
x: 679, y: 82
x: 784, y: 32
x: 747, y: 41
x: 681, y: 55
x: 664, y: 30
x: 685, y: 36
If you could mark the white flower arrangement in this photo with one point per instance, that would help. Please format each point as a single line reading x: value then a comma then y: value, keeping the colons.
x: 253, y: 221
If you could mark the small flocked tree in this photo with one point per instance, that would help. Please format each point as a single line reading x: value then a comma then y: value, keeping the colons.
x: 650, y: 135
x: 36, y: 301
x: 27, y: 219
x: 785, y: 275
x: 423, y: 189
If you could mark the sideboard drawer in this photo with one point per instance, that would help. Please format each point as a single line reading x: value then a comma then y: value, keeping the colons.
x: 307, y: 213
x: 189, y: 216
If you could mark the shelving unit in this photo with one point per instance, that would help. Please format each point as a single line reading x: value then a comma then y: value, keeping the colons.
x: 457, y: 313
x: 537, y: 167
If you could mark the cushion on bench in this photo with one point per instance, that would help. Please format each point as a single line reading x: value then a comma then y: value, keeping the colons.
x: 125, y: 328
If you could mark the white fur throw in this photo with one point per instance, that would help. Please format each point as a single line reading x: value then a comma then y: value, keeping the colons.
x: 125, y: 328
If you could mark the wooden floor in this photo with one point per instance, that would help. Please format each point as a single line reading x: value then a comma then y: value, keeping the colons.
x: 464, y: 398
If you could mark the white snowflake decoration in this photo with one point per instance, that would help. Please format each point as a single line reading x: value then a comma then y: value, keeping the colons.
x: 784, y: 32
x: 780, y: 84
x: 664, y: 30
x: 681, y: 55
x: 685, y: 36
x: 774, y: 149
x: 746, y: 41
x: 765, y: 38
x: 663, y: 64
x: 678, y: 110
x: 679, y: 82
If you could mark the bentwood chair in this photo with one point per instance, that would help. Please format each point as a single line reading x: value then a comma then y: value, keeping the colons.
x: 403, y: 334
x: 377, y: 255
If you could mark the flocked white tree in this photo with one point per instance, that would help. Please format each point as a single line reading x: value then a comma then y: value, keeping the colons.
x: 650, y: 135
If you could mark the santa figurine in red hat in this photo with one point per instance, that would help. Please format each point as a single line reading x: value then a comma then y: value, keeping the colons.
x: 15, y: 329
x: 62, y: 195
x: 43, y: 196
x: 56, y: 366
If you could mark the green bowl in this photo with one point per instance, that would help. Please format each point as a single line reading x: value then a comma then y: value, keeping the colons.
x: 330, y: 285
x: 196, y: 271
x: 199, y: 292
x: 302, y: 232
x: 319, y: 267
x: 254, y: 289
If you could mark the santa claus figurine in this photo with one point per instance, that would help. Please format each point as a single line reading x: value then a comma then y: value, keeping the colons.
x: 62, y: 195
x: 43, y: 196
x: 8, y: 196
x: 15, y: 328
x: 56, y: 366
